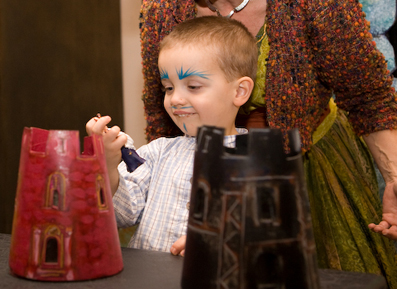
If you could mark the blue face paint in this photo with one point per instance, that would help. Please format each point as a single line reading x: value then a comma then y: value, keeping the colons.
x: 163, y: 74
x: 184, y: 126
x: 187, y: 73
x: 183, y: 107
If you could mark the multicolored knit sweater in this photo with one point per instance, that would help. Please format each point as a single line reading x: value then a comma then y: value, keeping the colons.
x: 316, y: 47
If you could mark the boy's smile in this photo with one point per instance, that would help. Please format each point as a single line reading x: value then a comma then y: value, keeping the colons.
x: 196, y: 90
x: 180, y: 111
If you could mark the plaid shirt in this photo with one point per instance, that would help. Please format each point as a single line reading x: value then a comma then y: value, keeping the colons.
x: 157, y: 194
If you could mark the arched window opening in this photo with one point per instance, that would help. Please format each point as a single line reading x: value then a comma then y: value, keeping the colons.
x: 198, y: 212
x: 200, y: 205
x: 56, y: 191
x: 101, y: 197
x: 101, y: 193
x: 268, y: 205
x: 51, y: 251
x: 55, y: 199
x: 268, y: 272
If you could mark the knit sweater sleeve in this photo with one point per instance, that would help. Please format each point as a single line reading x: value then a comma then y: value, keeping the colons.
x: 156, y: 21
x: 348, y: 62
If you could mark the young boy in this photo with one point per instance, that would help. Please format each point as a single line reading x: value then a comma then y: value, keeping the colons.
x: 207, y: 67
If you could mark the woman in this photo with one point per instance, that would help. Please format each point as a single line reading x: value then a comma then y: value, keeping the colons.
x: 310, y: 51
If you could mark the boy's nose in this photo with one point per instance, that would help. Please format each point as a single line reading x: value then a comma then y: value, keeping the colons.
x: 177, y: 99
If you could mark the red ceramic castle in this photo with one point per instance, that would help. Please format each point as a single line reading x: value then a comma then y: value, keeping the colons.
x: 64, y: 226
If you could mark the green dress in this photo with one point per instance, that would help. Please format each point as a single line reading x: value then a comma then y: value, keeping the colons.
x: 342, y: 189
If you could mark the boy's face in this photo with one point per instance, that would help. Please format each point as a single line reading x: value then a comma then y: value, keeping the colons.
x: 196, y: 90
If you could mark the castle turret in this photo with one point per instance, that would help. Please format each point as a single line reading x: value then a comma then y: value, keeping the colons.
x: 64, y: 226
x: 249, y: 223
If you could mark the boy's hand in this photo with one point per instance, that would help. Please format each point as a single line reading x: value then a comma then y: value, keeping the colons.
x: 178, y: 248
x: 112, y: 142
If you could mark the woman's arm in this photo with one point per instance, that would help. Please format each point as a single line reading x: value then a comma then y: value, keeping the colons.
x: 382, y: 145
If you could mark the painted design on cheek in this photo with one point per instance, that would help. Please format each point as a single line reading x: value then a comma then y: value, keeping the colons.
x: 189, y: 72
x: 184, y: 126
x: 163, y: 74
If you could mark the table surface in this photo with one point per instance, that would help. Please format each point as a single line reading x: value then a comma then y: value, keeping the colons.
x: 148, y: 269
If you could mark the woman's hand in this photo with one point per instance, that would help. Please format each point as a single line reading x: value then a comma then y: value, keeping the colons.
x: 178, y: 248
x: 388, y: 226
x: 113, y: 141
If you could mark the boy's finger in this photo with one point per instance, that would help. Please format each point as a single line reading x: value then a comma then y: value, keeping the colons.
x: 117, y: 141
x: 114, y: 130
x: 100, y: 125
x: 111, y: 134
x: 178, y: 246
x: 121, y: 140
x: 90, y: 124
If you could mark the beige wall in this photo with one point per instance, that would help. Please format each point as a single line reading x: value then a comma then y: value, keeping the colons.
x: 134, y: 121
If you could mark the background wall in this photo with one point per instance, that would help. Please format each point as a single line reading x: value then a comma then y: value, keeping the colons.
x: 60, y: 64
x: 134, y: 121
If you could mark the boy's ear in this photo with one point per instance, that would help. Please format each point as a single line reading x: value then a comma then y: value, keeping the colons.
x: 244, y: 89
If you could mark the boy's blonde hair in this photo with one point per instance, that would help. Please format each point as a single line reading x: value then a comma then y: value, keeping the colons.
x: 233, y: 46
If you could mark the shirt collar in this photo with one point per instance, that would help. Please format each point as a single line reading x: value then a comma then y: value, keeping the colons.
x: 240, y: 130
x: 230, y: 140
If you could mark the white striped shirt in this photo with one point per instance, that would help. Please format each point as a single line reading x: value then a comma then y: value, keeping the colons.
x: 156, y: 194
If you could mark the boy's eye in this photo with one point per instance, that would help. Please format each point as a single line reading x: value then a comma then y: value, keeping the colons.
x: 167, y: 89
x: 194, y: 87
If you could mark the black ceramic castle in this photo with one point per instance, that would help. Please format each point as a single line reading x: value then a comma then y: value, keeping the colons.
x: 249, y: 220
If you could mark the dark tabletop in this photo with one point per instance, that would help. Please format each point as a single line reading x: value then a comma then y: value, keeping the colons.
x: 149, y: 269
